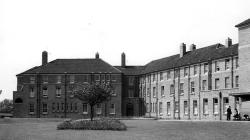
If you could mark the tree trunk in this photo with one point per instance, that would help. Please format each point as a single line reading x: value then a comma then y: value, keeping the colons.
x: 91, y: 112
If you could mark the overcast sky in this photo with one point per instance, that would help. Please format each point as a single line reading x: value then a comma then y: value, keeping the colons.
x: 144, y: 29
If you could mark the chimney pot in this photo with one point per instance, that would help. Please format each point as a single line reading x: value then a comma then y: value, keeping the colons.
x: 44, y: 57
x: 123, y: 59
x: 97, y: 55
x: 228, y: 42
x: 182, y: 49
x: 192, y: 47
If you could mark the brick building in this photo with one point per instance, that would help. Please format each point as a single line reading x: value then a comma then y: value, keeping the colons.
x: 195, y: 84
x: 200, y: 83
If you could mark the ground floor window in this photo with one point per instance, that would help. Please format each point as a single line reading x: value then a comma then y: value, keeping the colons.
x: 185, y: 108
x: 151, y: 107
x: 168, y: 108
x: 205, y: 106
x: 85, y: 108
x: 53, y: 106
x: 225, y: 104
x: 99, y: 109
x: 215, y: 106
x: 112, y: 109
x: 195, y: 107
x: 45, y: 108
x: 58, y: 106
x: 75, y: 106
x: 32, y: 108
x: 160, y: 107
x: 148, y: 108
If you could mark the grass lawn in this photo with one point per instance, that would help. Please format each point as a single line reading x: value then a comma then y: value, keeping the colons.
x: 45, y: 129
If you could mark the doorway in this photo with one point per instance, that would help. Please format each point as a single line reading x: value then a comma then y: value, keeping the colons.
x: 130, y: 109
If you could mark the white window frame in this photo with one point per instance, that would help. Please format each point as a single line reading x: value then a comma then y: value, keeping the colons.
x: 162, y: 91
x: 99, y: 109
x: 112, y: 109
x: 181, y: 88
x: 204, y: 85
x: 192, y: 86
x: 31, y: 108
x: 58, y: 79
x: 205, y: 106
x: 216, y: 83
x: 215, y: 106
x: 32, y: 92
x: 32, y: 80
x: 84, y: 108
x: 45, y: 109
x: 227, y: 82
x: 168, y: 108
x: 45, y: 92
x: 185, y: 107
x: 227, y: 64
x: 58, y: 91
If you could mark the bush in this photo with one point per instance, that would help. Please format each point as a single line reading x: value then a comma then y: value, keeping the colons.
x: 101, y: 124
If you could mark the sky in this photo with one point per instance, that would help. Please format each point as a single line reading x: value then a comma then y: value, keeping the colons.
x: 144, y: 29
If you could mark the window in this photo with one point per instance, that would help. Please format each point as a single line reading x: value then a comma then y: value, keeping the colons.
x: 195, y: 69
x: 62, y: 106
x: 85, y: 108
x: 237, y: 81
x: 45, y: 108
x: 215, y: 106
x: 103, y: 77
x: 45, y: 92
x: 160, y: 107
x: 148, y: 108
x: 217, y: 83
x: 192, y: 87
x: 113, y: 78
x: 226, y: 82
x: 151, y: 107
x: 148, y: 77
x: 177, y: 72
x: 153, y: 77
x: 205, y: 68
x: 162, y: 90
x: 181, y: 88
x: 176, y: 107
x: 204, y: 84
x: 59, y: 79
x: 186, y: 71
x: 225, y: 104
x: 112, y: 109
x: 32, y: 80
x: 185, y: 108
x: 205, y: 106
x: 58, y: 106
x: 148, y: 91
x: 227, y: 64
x: 236, y: 62
x: 72, y: 79
x: 154, y: 92
x: 58, y: 92
x: 45, y: 79
x: 130, y: 93
x: 172, y: 89
x: 217, y: 67
x: 161, y: 76
x: 75, y: 106
x: 71, y: 106
x: 99, y: 109
x: 32, y: 92
x: 195, y: 107
x: 131, y: 81
x: 32, y: 108
x: 107, y: 77
x: 168, y: 75
x: 53, y: 106
x: 168, y: 108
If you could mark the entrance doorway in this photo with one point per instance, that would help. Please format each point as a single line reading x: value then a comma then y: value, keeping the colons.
x: 130, y: 109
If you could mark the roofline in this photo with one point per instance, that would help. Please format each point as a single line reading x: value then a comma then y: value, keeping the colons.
x: 65, y: 73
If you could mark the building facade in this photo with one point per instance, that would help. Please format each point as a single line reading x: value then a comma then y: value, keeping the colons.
x: 195, y: 84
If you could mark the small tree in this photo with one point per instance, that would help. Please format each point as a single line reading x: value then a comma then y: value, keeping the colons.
x: 93, y: 94
x: 6, y: 106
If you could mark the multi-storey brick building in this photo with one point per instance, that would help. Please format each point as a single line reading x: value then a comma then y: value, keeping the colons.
x: 200, y: 83
x: 195, y: 84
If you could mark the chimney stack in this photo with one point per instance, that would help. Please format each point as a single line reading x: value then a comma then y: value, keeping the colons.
x: 123, y: 59
x: 97, y: 55
x: 44, y: 57
x: 228, y: 42
x: 182, y: 49
x: 192, y: 47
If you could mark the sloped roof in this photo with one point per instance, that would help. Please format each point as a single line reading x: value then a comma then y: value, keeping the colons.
x: 246, y: 22
x: 74, y: 66
x: 205, y: 54
x: 131, y: 70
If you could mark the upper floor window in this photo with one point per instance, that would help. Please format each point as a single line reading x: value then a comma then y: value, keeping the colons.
x: 186, y: 71
x: 195, y: 69
x: 58, y: 92
x: 148, y: 91
x: 45, y: 79
x: 154, y: 91
x: 45, y: 92
x: 162, y: 90
x: 32, y: 92
x: 217, y: 83
x: 217, y: 66
x: 204, y: 84
x: 226, y: 82
x: 237, y: 81
x: 181, y: 88
x: 205, y: 68
x: 168, y: 75
x: 97, y: 78
x: 153, y: 77
x: 72, y: 79
x: 177, y: 72
x: 192, y: 87
x: 32, y: 80
x: 161, y: 76
x: 103, y: 77
x: 160, y: 107
x: 59, y: 79
x: 172, y: 89
x: 227, y: 64
x: 113, y: 78
x: 131, y: 81
x: 130, y: 93
x: 85, y: 108
x: 236, y: 62
x: 32, y: 108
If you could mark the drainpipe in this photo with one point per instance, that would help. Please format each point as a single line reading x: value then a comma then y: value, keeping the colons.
x: 220, y: 98
x: 38, y: 100
x: 65, y: 94
x: 189, y: 104
x: 157, y: 105
x: 200, y: 92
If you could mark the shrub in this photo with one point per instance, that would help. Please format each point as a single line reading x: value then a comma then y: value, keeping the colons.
x: 101, y: 124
